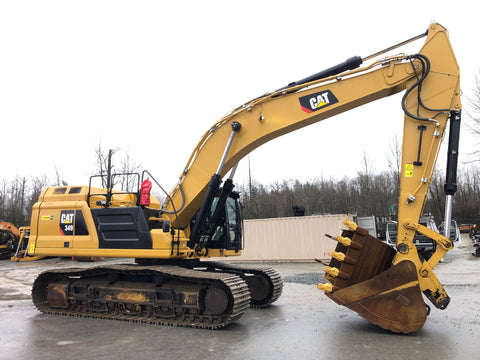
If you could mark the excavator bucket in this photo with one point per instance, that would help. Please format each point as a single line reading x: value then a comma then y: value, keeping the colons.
x: 364, y: 280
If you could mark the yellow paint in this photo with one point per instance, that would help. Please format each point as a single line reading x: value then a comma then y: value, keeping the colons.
x: 129, y: 296
x: 332, y: 271
x: 325, y: 287
x: 345, y: 241
x: 338, y: 255
x: 401, y: 287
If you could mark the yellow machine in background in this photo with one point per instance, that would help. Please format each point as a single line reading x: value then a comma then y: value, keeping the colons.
x: 200, y: 217
x: 9, y: 236
x: 21, y: 251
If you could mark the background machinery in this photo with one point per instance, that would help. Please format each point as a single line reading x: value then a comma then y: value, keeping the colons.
x: 200, y: 218
x: 20, y: 254
x: 9, y: 235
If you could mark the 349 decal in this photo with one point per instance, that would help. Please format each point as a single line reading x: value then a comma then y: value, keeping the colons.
x: 317, y: 101
x: 66, y: 222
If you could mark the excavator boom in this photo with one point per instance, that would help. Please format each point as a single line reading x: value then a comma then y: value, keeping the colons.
x: 313, y: 99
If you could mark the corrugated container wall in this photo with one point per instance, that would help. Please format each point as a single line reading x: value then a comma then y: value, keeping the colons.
x: 291, y: 239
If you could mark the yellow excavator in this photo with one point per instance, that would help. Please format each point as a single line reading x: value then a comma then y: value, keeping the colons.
x: 171, y: 282
x: 9, y: 235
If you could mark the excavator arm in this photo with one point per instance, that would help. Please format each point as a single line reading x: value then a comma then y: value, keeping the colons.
x: 431, y: 84
x: 324, y: 95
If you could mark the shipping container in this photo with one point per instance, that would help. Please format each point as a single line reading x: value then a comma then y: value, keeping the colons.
x: 299, y: 238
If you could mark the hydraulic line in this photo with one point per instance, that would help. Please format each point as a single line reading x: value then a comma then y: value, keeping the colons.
x: 452, y: 160
x: 213, y: 186
x: 425, y: 71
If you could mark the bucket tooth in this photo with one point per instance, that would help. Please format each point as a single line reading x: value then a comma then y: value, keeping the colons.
x: 325, y: 287
x: 338, y: 256
x: 342, y: 257
x: 336, y: 273
x: 345, y: 241
x: 350, y: 224
x: 332, y: 271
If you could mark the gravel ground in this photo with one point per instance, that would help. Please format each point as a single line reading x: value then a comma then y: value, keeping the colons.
x: 303, y: 322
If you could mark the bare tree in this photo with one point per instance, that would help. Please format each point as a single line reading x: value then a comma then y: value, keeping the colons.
x: 394, y: 159
x: 473, y: 115
x: 435, y: 197
x: 38, y: 184
x: 128, y: 166
x: 3, y: 199
x: 364, y: 182
x: 58, y: 178
x: 104, y: 164
x: 14, y: 197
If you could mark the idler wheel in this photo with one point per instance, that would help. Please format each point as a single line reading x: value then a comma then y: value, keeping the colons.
x: 259, y: 287
x: 216, y: 301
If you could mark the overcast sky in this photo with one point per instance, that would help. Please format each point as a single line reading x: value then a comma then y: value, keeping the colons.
x: 149, y: 77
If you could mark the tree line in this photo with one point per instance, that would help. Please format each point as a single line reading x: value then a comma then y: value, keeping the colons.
x: 364, y: 194
x: 18, y: 195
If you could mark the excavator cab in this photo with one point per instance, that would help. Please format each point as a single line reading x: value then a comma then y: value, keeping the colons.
x: 223, y: 226
x: 228, y: 232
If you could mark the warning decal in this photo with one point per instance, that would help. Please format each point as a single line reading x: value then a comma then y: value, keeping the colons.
x: 408, y: 170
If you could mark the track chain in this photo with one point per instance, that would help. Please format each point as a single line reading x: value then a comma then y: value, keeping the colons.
x: 240, y: 294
